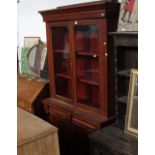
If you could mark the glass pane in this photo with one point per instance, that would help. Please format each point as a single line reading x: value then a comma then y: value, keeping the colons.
x: 88, y: 70
x: 60, y: 37
x: 61, y: 55
x: 62, y: 64
x: 134, y: 111
x: 63, y: 87
x: 88, y: 94
x: 86, y: 38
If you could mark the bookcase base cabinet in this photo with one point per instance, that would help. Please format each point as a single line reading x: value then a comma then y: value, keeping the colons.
x: 66, y: 118
x: 81, y: 65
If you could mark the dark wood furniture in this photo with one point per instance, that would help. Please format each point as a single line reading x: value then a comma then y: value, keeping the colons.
x: 30, y: 92
x: 112, y: 141
x: 81, y: 65
x: 35, y: 136
x: 126, y: 54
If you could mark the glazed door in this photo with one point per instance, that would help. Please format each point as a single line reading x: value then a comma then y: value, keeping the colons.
x: 61, y: 61
x: 90, y: 63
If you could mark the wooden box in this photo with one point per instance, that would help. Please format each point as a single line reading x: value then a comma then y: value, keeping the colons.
x: 35, y: 136
x: 30, y: 93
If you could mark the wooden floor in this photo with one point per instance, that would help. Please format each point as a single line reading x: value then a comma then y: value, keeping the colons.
x: 73, y: 145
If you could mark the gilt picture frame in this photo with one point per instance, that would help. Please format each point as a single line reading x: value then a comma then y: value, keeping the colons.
x: 131, y: 120
x: 30, y: 41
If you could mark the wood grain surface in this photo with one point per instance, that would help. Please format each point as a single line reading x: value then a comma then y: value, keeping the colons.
x: 27, y: 90
x: 35, y: 136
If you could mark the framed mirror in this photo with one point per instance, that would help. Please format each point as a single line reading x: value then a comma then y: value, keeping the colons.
x: 30, y: 41
x: 36, y: 58
x: 131, y: 122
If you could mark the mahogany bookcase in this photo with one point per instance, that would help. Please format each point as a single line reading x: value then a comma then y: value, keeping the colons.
x: 81, y: 65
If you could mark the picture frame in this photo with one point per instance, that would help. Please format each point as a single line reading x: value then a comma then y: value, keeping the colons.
x: 131, y: 119
x: 30, y: 41
x: 128, y: 17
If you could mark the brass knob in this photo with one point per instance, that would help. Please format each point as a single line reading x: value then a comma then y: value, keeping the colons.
x: 106, y: 54
x: 94, y: 56
x: 102, y: 14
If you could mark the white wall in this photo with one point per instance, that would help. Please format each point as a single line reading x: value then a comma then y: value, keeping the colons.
x: 30, y: 22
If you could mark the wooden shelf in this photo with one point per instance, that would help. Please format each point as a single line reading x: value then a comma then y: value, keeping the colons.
x: 82, y: 53
x: 61, y: 51
x: 123, y: 99
x: 88, y: 80
x: 125, y: 73
x: 88, y: 103
x: 92, y: 71
x: 63, y: 75
x: 65, y: 96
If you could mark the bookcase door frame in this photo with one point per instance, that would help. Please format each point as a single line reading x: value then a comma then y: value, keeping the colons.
x: 102, y: 63
x: 50, y: 26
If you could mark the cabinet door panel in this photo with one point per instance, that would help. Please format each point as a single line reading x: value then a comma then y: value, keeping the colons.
x: 62, y: 61
x: 87, y: 50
